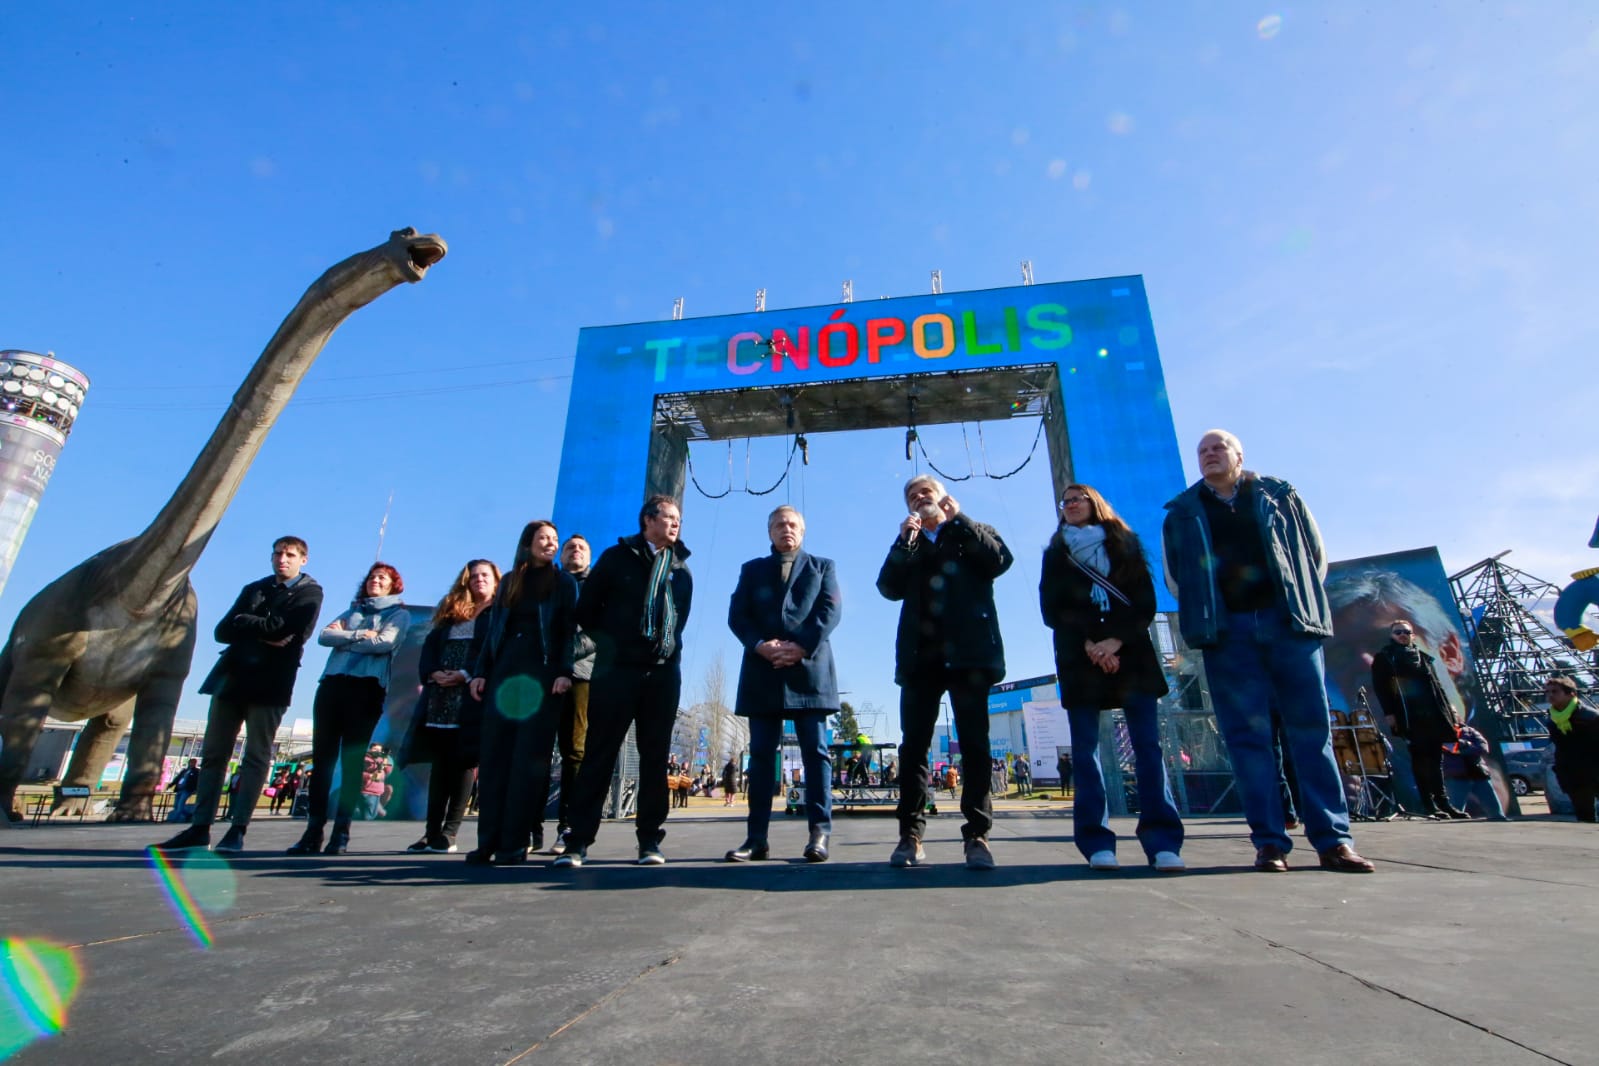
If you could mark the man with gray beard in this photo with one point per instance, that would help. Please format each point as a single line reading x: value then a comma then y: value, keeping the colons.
x: 941, y: 568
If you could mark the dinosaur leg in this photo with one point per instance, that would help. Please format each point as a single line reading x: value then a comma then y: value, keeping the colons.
x: 30, y: 688
x: 96, y: 744
x: 153, y: 711
x: 19, y: 732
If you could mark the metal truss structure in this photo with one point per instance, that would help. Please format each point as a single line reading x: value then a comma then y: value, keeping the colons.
x: 1514, y: 650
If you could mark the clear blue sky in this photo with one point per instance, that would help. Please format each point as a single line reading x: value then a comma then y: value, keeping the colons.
x: 1368, y: 238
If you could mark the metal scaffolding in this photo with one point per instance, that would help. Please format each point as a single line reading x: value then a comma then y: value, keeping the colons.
x: 1513, y: 649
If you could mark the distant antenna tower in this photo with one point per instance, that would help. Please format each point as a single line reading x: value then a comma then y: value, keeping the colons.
x: 677, y: 308
x: 938, y: 281
x: 383, y: 526
x: 760, y: 300
x: 1027, y: 271
x: 849, y: 292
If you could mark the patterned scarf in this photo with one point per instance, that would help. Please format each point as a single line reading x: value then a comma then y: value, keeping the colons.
x: 1087, y: 545
x: 659, y: 625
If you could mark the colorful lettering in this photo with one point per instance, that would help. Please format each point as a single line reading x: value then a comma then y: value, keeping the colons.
x: 973, y: 345
x: 732, y: 354
x: 1036, y: 320
x: 919, y: 335
x: 882, y: 333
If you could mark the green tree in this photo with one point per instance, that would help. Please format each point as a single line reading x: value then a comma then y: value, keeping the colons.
x: 845, y: 726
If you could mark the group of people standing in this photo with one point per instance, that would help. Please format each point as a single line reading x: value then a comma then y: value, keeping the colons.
x: 556, y: 653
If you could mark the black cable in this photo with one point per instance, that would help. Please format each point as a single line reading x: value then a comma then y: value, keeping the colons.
x: 992, y: 477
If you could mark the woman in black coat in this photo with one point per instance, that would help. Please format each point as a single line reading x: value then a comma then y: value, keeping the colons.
x: 524, y: 676
x: 1097, y: 596
x: 446, y: 726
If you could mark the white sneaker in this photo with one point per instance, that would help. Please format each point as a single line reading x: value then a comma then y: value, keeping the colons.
x: 1168, y: 862
x: 1103, y: 860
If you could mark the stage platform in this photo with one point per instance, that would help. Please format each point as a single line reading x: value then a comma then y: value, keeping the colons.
x: 1472, y: 944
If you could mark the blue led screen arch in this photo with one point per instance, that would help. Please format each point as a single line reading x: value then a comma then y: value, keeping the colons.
x: 1098, y: 333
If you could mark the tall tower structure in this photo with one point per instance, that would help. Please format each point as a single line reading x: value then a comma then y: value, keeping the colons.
x: 39, y: 401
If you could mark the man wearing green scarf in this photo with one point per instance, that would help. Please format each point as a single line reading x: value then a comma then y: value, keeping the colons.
x: 1574, y: 732
x: 634, y: 605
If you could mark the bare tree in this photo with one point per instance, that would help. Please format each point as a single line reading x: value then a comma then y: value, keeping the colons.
x: 713, y: 706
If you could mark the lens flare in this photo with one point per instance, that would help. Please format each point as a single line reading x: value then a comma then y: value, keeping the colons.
x: 1269, y: 27
x: 179, y: 886
x: 39, y: 980
x: 519, y: 698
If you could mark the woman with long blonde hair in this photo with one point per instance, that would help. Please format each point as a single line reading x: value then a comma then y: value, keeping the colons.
x: 446, y: 728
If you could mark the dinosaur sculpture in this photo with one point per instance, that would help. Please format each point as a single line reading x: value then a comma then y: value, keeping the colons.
x: 1575, y: 599
x: 110, y: 641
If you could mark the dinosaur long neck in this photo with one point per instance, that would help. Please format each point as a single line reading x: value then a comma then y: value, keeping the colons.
x: 162, y: 556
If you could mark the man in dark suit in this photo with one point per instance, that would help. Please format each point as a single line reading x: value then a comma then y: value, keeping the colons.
x: 251, y: 687
x: 783, y: 609
x: 942, y: 567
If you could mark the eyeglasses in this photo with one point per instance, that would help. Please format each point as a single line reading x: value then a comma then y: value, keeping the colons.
x: 1068, y: 501
x: 1401, y: 632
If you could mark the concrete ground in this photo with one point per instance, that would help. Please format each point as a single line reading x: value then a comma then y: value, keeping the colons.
x: 1472, y: 944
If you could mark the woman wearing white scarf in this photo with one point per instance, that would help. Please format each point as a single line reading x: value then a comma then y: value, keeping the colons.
x: 1098, y: 597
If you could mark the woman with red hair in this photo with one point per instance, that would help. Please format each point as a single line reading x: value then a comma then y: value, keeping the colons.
x: 349, y: 701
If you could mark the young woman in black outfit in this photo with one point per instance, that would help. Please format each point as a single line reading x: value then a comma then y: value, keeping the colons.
x: 523, y: 673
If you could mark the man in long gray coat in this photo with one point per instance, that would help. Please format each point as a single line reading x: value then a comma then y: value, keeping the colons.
x: 783, y: 609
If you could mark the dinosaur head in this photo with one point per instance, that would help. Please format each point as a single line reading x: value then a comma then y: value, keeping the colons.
x: 412, y: 252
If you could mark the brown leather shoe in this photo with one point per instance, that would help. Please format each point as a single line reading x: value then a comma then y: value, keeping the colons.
x: 1345, y: 860
x: 1269, y: 858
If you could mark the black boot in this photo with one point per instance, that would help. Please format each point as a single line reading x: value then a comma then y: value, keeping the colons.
x: 309, y: 843
x: 816, y: 850
x: 339, y: 842
x: 749, y: 851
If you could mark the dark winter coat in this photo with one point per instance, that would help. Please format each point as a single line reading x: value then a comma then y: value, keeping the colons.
x: 1066, y: 600
x: 1293, y: 547
x: 1407, y: 686
x: 250, y: 669
x: 612, y: 603
x: 1577, y: 752
x: 965, y: 559
x: 557, y: 626
x: 429, y: 660
x: 582, y: 643
x: 804, y: 611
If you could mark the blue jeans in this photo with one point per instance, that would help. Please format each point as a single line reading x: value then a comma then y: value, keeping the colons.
x: 1461, y: 789
x: 180, y: 805
x: 766, y: 733
x: 1160, y: 827
x: 1258, y: 665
